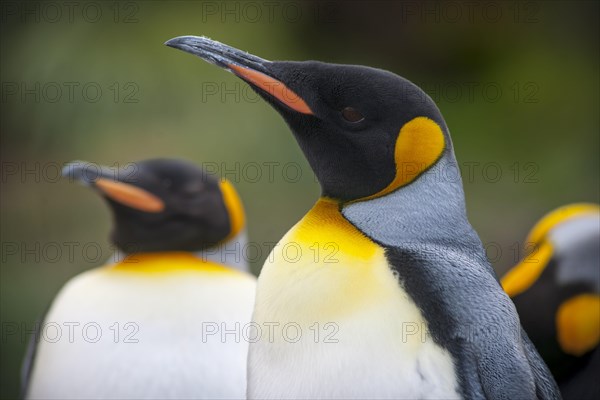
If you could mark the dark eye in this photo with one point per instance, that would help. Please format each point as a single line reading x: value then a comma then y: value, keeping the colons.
x: 352, y: 115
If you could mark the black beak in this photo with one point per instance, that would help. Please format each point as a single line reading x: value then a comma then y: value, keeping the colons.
x: 88, y: 173
x: 254, y: 70
x: 218, y: 53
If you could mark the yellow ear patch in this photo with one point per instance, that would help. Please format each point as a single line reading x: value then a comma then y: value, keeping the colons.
x: 558, y: 216
x: 578, y: 324
x: 234, y: 207
x: 419, y: 145
x: 523, y: 275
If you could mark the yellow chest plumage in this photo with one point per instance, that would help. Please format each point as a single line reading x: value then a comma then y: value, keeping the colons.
x: 166, y: 263
x: 328, y: 264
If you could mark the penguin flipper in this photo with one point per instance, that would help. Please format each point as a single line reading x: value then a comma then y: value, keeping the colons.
x: 475, y: 321
x: 30, y: 353
x: 510, y: 368
x: 545, y: 388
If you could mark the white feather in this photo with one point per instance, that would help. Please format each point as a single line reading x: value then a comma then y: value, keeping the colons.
x: 170, y: 359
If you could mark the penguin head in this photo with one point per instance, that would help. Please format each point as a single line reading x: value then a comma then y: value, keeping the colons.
x: 365, y: 131
x: 567, y: 237
x: 164, y: 204
x: 573, y: 231
x: 556, y: 287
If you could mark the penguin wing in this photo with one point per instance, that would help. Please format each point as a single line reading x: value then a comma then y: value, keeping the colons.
x: 30, y: 352
x: 470, y: 316
x: 545, y: 385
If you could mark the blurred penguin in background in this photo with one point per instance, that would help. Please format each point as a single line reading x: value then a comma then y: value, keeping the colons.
x: 556, y: 290
x: 149, y: 325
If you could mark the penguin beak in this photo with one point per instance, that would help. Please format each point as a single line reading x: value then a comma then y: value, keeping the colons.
x: 87, y: 173
x: 252, y: 69
x: 106, y: 181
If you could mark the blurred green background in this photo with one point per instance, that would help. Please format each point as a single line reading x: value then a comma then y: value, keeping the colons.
x: 516, y: 81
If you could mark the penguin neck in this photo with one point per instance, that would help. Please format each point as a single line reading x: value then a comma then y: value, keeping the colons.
x: 430, y: 210
x: 229, y: 252
x: 165, y: 262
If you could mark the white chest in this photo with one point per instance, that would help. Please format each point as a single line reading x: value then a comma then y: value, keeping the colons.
x: 141, y: 337
x: 338, y: 325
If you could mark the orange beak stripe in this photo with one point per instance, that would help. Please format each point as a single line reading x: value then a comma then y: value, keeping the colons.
x: 131, y: 196
x: 274, y: 87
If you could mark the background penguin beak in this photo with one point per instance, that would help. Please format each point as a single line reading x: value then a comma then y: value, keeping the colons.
x: 87, y: 173
x: 106, y: 180
x: 252, y: 69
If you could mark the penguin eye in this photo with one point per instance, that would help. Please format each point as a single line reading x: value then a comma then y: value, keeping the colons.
x: 352, y: 115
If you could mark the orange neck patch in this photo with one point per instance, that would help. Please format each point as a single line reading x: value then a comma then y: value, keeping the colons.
x: 419, y: 145
x: 578, y: 324
x: 324, y: 226
x: 522, y: 276
x: 166, y: 262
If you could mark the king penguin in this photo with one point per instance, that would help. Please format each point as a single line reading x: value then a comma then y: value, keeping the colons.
x: 556, y: 289
x: 148, y: 325
x: 388, y: 294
